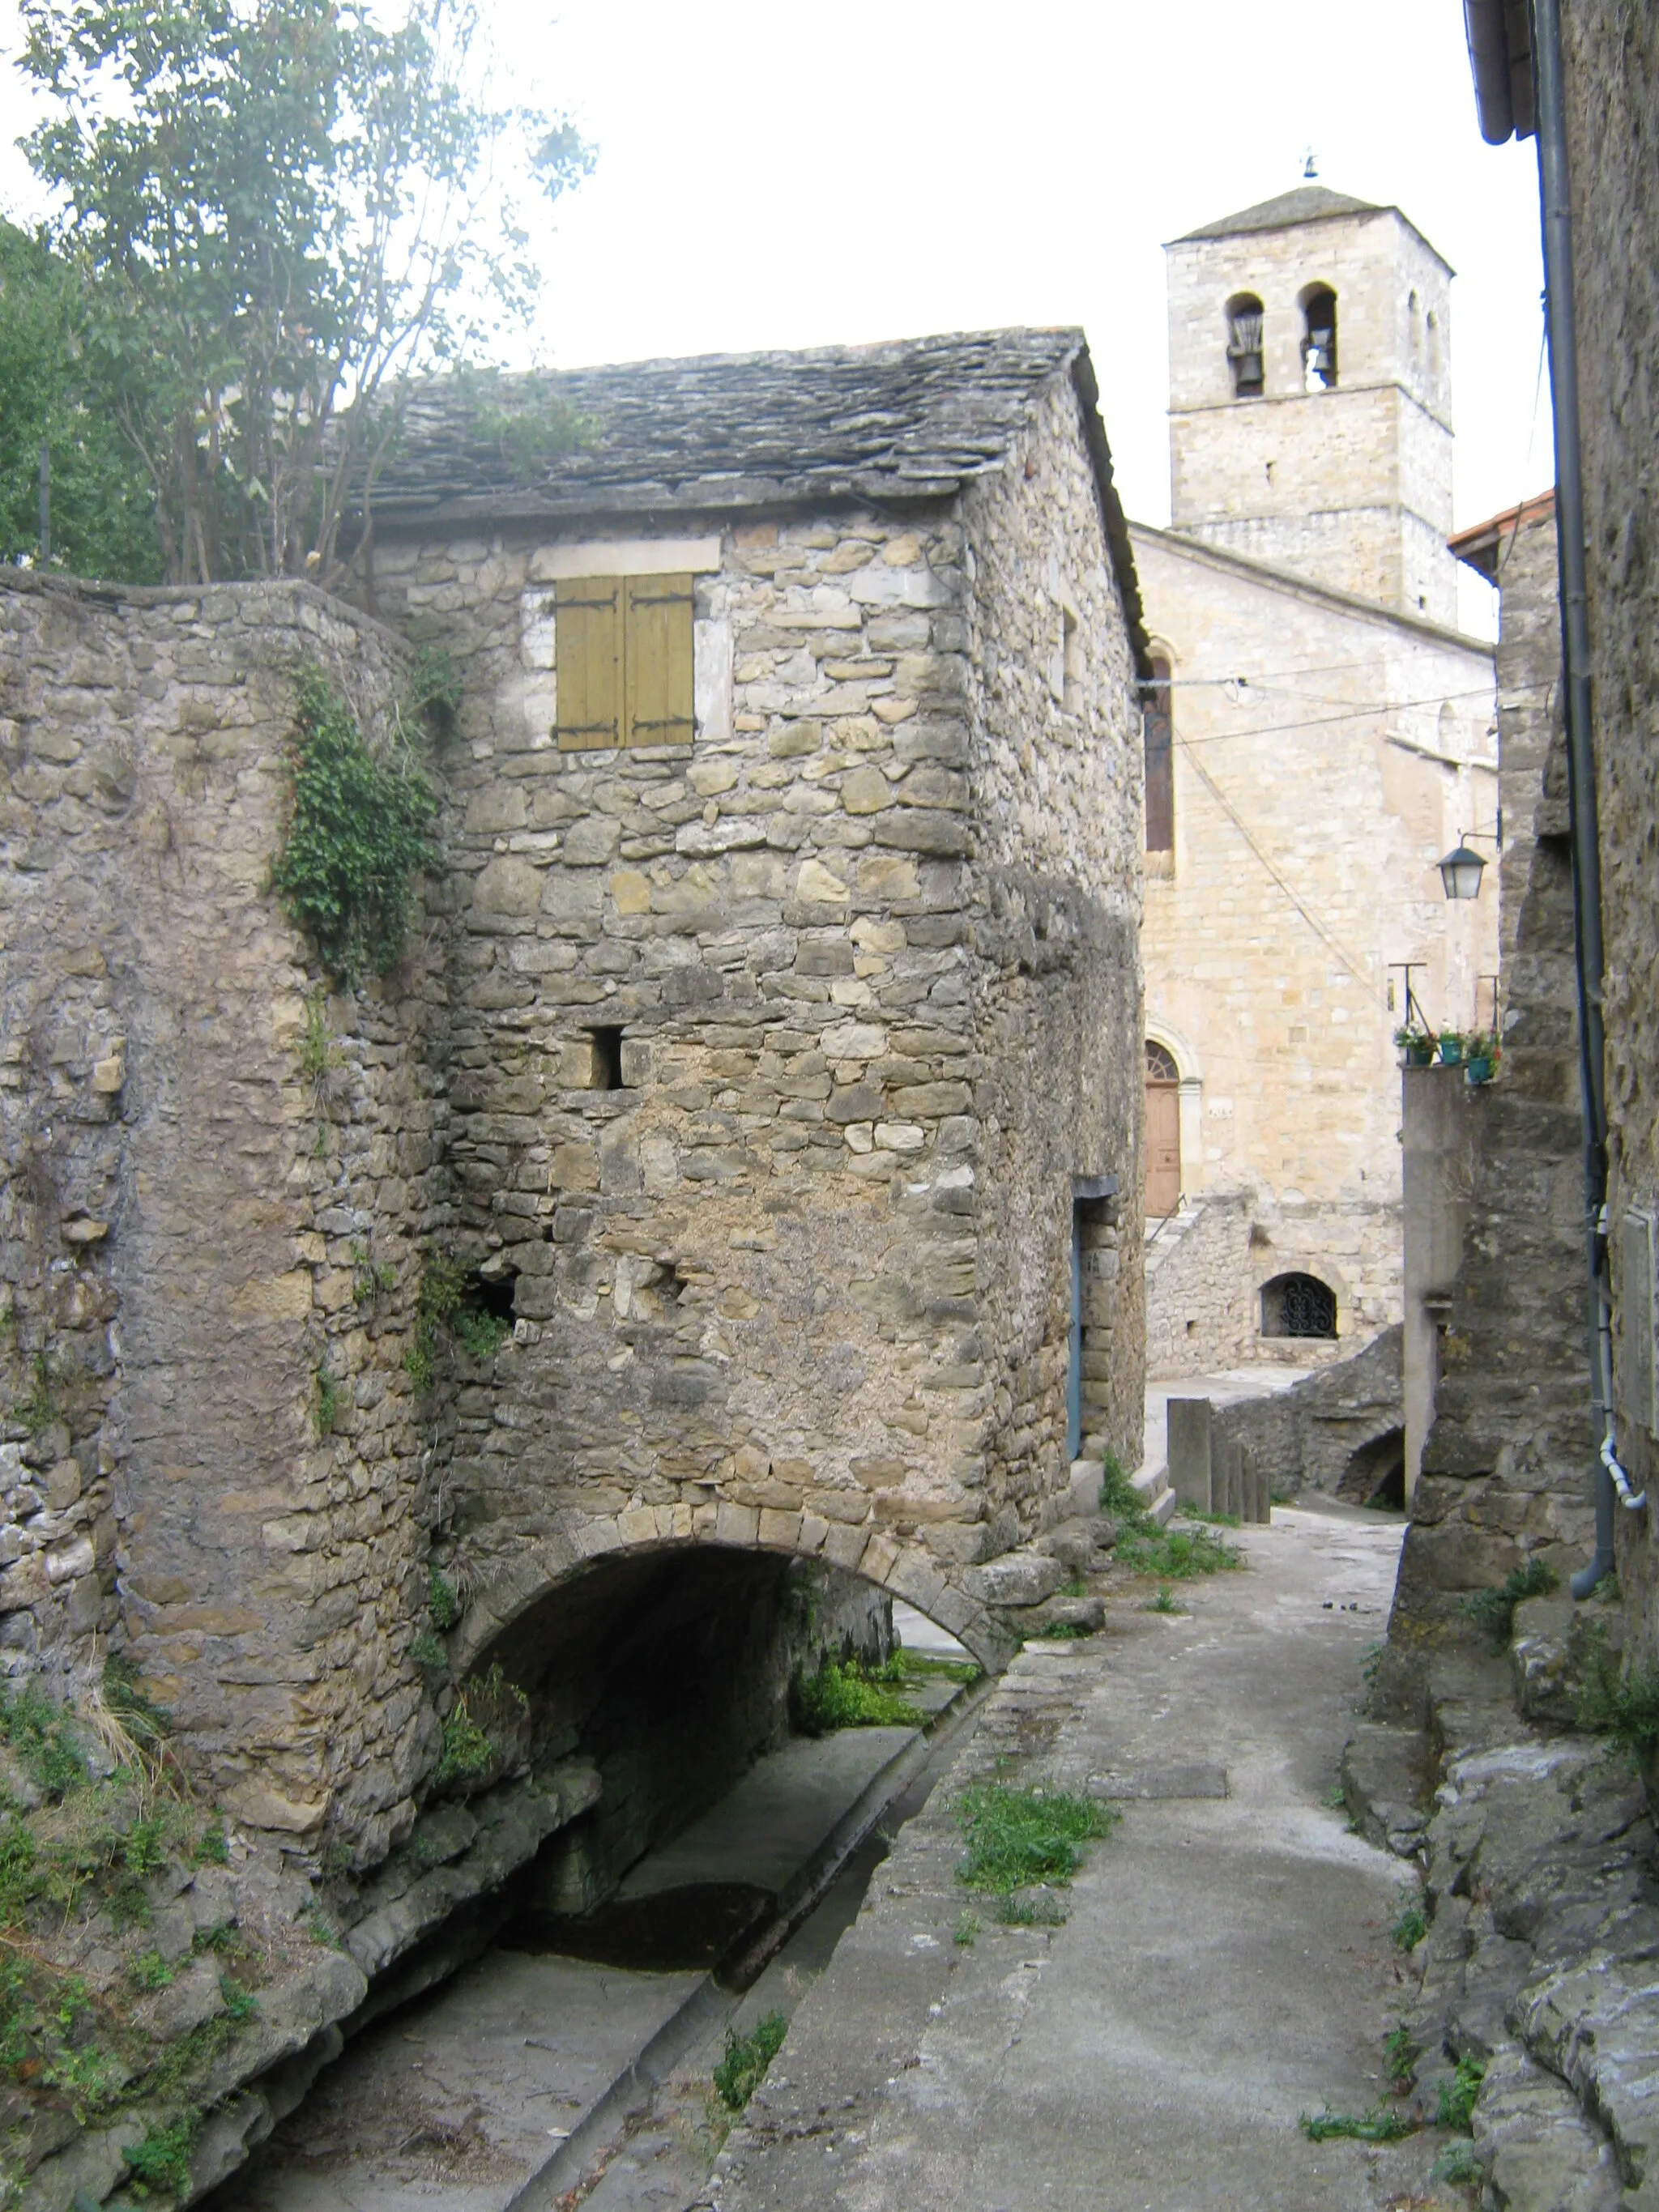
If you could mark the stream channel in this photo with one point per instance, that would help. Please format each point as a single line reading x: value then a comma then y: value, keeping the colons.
x: 572, y: 2062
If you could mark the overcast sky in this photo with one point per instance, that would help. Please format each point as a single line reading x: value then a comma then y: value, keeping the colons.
x: 799, y: 174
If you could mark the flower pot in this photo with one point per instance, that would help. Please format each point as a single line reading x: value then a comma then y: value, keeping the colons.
x: 1419, y: 1054
x: 1451, y: 1051
x: 1478, y: 1071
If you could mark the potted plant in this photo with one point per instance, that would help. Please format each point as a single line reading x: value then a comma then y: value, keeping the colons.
x: 1451, y: 1047
x: 1480, y: 1057
x: 1417, y: 1045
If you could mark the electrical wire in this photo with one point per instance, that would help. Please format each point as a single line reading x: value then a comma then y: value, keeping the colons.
x: 1324, y: 935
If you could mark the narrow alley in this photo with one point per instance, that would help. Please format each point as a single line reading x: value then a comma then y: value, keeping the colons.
x: 1226, y: 1965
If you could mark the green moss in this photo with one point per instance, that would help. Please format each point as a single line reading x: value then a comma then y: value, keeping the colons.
x: 356, y: 838
x: 427, y: 1651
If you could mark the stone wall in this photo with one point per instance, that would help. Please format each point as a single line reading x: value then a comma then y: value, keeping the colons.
x: 1505, y: 1472
x: 1340, y: 1431
x: 1529, y: 708
x: 1307, y: 829
x: 1612, y: 77
x: 186, y: 1215
x: 801, y: 1281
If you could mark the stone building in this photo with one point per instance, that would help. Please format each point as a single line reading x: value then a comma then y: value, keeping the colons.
x: 1319, y: 735
x: 794, y: 960
x: 764, y: 1068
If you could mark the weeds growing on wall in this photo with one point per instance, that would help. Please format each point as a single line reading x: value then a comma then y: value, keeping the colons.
x: 1624, y: 1708
x: 356, y: 838
x: 1410, y: 1928
x: 470, y: 1749
x: 95, y: 1814
x: 443, y: 1281
x: 1457, y: 2096
x: 1494, y: 1609
x: 443, y: 1601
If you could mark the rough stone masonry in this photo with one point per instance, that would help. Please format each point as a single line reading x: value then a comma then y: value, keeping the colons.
x: 781, y: 1083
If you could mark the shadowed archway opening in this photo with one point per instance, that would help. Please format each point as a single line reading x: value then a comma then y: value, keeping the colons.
x: 1376, y: 1474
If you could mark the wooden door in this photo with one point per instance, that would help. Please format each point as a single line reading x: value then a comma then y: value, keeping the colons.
x: 1163, y: 1146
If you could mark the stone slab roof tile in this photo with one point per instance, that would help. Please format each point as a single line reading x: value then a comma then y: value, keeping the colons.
x: 1307, y: 204
x: 716, y: 434
x: 915, y: 419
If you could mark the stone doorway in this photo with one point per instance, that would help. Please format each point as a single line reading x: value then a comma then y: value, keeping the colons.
x: 1162, y: 1133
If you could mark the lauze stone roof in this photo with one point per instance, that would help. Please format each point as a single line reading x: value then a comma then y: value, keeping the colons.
x: 718, y: 431
x: 716, y: 434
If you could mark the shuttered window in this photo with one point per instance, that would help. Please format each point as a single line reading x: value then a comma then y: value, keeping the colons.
x: 623, y: 654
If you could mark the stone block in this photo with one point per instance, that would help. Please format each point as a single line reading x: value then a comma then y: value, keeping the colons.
x: 1017, y: 1578
x: 1190, y: 1472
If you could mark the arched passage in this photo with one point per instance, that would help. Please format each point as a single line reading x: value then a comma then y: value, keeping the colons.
x: 662, y: 1671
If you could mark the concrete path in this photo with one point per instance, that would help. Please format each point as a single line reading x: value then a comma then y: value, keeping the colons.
x: 1226, y: 1966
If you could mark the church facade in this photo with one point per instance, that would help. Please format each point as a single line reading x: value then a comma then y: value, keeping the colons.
x: 1319, y: 734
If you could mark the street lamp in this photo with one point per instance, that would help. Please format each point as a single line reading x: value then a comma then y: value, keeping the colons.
x: 1462, y: 870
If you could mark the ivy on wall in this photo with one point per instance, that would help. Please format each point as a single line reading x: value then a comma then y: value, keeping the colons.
x: 356, y: 836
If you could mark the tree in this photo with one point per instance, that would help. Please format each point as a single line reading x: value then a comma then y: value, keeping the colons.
x: 282, y: 214
x: 102, y: 520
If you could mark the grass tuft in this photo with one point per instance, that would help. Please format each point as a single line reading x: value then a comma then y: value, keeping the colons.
x: 1177, y: 1555
x: 1400, y: 2057
x: 1457, y: 2096
x: 1494, y: 1609
x: 162, y: 2159
x: 1410, y: 1928
x: 1623, y: 1707
x: 743, y: 2067
x: 1018, y: 1837
x: 846, y: 1694
x: 1380, y: 2122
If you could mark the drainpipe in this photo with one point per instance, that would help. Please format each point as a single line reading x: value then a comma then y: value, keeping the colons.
x: 1556, y: 206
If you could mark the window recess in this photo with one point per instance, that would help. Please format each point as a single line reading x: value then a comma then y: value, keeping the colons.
x: 622, y: 657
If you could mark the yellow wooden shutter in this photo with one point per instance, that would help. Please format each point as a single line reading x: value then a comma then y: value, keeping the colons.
x: 589, y: 660
x: 658, y: 689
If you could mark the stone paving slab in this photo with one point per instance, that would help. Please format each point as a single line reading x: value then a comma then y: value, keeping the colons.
x: 1226, y: 1965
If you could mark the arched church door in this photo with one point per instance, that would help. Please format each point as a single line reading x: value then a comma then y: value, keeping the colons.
x: 1162, y: 1133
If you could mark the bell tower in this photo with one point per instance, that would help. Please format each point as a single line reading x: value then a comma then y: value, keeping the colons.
x: 1310, y: 396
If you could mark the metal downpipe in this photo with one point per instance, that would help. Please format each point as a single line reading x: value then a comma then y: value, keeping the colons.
x: 1557, y: 221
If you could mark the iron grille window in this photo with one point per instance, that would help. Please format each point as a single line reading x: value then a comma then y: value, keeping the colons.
x: 1297, y: 1305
